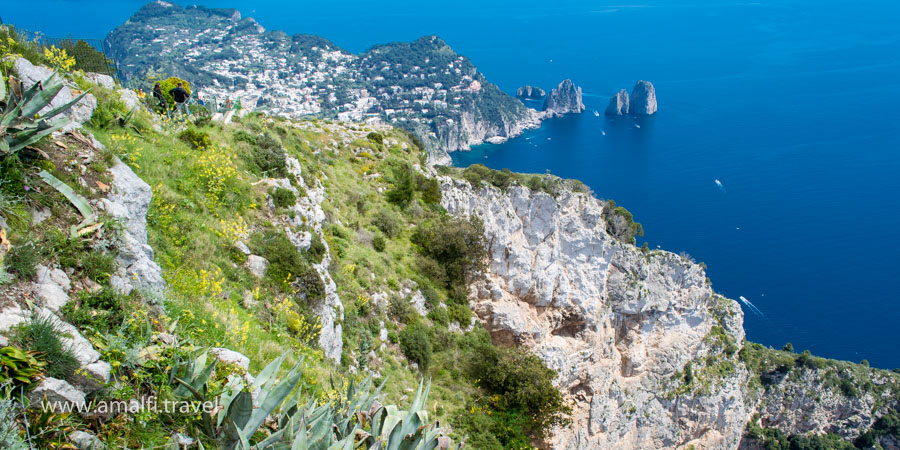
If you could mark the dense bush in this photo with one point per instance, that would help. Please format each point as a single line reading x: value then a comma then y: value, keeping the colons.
x: 522, y: 382
x: 198, y: 139
x: 388, y: 222
x: 376, y: 138
x: 404, y: 187
x: 439, y: 316
x: 378, y: 243
x: 285, y: 261
x: 416, y: 345
x: 171, y: 83
x: 283, y: 198
x: 268, y: 157
x: 775, y: 439
x: 460, y: 314
x: 400, y: 308
x: 620, y: 223
x: 431, y: 190
x: 458, y: 246
x: 102, y: 310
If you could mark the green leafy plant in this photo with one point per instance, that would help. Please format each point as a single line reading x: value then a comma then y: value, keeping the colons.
x: 416, y: 345
x: 19, y: 124
x: 18, y: 366
x: 283, y: 198
x: 197, y: 138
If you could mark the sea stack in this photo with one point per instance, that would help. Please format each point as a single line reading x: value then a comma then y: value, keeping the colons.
x: 643, y: 98
x: 565, y: 99
x: 618, y: 104
x: 530, y: 93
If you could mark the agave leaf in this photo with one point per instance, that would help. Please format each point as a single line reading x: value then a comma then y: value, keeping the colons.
x: 300, y: 442
x: 80, y: 202
x: 30, y: 136
x: 241, y: 410
x: 2, y: 90
x: 268, y: 373
x: 4, y: 146
x: 39, y: 99
x: 273, y: 399
x: 245, y: 443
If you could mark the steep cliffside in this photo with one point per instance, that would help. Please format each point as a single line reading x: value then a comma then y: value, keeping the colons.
x: 643, y: 346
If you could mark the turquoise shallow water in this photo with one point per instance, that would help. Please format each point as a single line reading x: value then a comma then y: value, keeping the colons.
x: 791, y: 104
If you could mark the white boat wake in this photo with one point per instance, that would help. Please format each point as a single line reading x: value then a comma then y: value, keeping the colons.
x: 751, y: 306
x: 720, y: 185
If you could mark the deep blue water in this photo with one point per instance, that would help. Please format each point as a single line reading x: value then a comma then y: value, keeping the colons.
x: 791, y: 104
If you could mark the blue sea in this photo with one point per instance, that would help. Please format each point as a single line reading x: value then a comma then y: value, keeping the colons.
x: 792, y: 105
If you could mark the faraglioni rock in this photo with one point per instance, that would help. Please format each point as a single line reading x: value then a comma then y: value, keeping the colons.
x: 643, y: 98
x: 528, y: 92
x: 565, y: 99
x: 618, y: 104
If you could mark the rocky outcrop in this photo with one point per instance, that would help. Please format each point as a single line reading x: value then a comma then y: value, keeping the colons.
x: 643, y: 98
x: 471, y: 130
x: 564, y: 99
x: 308, y: 214
x: 619, y: 325
x: 530, y: 93
x: 618, y: 104
x: 79, y: 113
x: 129, y: 202
x: 830, y: 399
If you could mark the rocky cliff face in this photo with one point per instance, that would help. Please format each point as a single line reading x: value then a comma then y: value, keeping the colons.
x: 643, y: 346
x: 564, y: 99
x: 643, y: 98
x: 530, y: 93
x: 618, y: 104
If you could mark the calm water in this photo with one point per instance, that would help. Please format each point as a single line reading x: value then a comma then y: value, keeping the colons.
x: 791, y: 104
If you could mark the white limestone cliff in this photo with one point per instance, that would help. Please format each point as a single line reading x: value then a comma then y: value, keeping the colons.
x: 618, y: 324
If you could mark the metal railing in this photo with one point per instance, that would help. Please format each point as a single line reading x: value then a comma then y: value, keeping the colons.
x: 91, y: 55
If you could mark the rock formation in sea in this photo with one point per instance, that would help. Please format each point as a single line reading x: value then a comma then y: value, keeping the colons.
x: 643, y: 98
x: 564, y: 99
x: 529, y: 92
x: 618, y: 104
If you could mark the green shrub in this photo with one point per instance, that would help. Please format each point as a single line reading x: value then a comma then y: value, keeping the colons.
x: 243, y: 136
x: 416, y: 345
x: 103, y: 310
x: 400, y: 308
x: 285, y: 261
x: 388, y: 222
x: 171, y: 83
x: 310, y: 283
x: 377, y: 138
x: 283, y: 198
x: 378, y: 243
x: 41, y: 335
x: 523, y: 383
x: 198, y: 139
x: 270, y: 161
x: 431, y: 190
x: 316, y: 251
x: 620, y: 223
x: 460, y: 314
x: 457, y: 245
x: 806, y: 359
x: 439, y: 316
x: 404, y: 187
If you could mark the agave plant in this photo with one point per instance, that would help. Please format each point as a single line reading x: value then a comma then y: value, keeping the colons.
x: 356, y: 420
x: 20, y: 125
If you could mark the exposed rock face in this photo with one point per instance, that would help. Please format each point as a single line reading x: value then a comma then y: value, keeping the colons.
x: 309, y: 212
x: 618, y: 104
x: 643, y: 98
x: 530, y: 93
x: 80, y: 113
x: 57, y: 392
x: 564, y: 99
x: 800, y: 402
x: 129, y: 202
x: 617, y: 324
